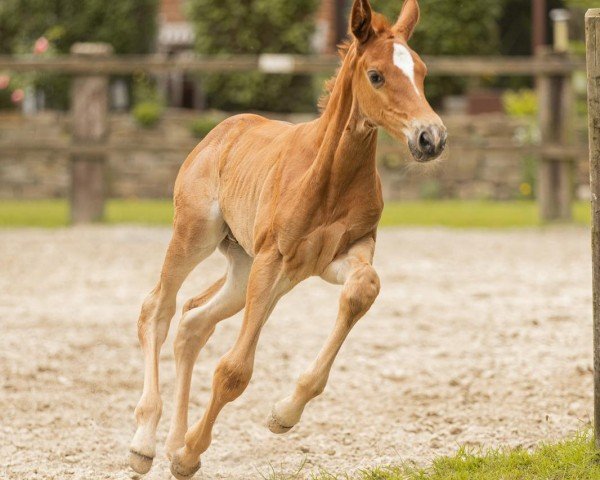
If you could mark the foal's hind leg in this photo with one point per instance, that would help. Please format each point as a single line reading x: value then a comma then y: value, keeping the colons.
x: 361, y: 287
x: 266, y: 284
x: 195, y: 237
x: 222, y: 300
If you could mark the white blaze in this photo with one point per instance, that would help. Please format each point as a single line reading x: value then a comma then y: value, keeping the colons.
x: 404, y: 61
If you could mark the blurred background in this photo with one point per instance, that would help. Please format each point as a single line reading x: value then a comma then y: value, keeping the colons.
x: 507, y: 76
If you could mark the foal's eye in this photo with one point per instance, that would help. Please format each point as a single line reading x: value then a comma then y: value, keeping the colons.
x: 375, y: 78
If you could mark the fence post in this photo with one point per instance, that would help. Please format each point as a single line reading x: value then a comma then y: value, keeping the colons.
x: 592, y: 31
x: 555, y: 175
x: 89, y: 126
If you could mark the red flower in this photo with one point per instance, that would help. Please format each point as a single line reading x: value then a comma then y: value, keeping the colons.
x: 4, y: 81
x: 18, y: 95
x: 41, y: 45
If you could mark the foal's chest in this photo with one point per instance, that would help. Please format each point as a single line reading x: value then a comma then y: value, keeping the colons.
x: 310, y: 253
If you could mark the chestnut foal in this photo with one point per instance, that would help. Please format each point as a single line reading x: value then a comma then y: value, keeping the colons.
x: 282, y: 202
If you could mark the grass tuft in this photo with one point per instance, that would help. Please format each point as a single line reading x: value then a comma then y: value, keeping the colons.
x: 573, y: 459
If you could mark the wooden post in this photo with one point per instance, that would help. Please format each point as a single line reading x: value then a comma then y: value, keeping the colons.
x: 538, y: 24
x: 555, y: 174
x: 592, y: 31
x: 89, y: 126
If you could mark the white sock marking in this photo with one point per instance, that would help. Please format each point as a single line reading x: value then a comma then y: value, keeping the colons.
x: 404, y: 61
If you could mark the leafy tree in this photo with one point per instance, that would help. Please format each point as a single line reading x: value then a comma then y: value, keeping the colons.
x: 128, y: 25
x: 253, y: 27
x: 451, y: 27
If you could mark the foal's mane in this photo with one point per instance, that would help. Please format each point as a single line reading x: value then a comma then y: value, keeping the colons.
x: 380, y: 24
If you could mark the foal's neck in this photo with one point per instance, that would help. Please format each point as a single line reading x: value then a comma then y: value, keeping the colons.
x: 347, y: 143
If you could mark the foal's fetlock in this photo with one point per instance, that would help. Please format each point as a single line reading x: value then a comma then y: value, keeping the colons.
x: 143, y: 449
x: 143, y: 446
x: 183, y: 465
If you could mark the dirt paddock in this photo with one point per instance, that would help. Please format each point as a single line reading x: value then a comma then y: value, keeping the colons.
x: 480, y: 338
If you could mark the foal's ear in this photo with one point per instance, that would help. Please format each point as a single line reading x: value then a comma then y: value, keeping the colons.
x: 408, y: 20
x: 360, y: 20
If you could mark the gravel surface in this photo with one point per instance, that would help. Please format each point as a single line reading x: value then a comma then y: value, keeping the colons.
x: 480, y: 338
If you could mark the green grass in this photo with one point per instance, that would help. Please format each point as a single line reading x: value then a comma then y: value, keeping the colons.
x: 572, y: 459
x: 450, y: 213
x: 42, y: 213
x: 148, y: 212
x: 471, y: 214
x: 55, y: 213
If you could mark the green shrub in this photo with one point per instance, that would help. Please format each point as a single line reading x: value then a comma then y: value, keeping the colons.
x: 144, y: 89
x: 7, y: 86
x: 521, y: 103
x: 148, y: 104
x: 451, y: 27
x: 529, y: 172
x: 147, y: 114
x: 128, y: 25
x: 5, y: 102
x: 254, y: 27
x: 202, y: 126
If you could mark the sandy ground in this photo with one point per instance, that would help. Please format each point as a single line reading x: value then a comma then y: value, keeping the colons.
x: 477, y: 338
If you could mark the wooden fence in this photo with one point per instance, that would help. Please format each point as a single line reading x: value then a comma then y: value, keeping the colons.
x: 592, y: 31
x: 93, y: 64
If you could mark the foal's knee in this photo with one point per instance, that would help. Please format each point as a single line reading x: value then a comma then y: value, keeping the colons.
x: 361, y: 290
x: 232, y: 377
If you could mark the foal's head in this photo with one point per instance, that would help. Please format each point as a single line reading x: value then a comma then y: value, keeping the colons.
x: 389, y: 79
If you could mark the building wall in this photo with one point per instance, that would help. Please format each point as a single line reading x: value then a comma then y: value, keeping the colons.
x: 172, y: 11
x: 325, y: 27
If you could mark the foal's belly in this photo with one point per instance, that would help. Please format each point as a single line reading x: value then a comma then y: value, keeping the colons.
x: 246, y: 179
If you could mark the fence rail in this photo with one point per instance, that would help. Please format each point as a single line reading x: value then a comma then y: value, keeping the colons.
x: 92, y: 64
x: 271, y: 63
x: 557, y: 151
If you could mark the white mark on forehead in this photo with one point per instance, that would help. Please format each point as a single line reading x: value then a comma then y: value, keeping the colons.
x: 404, y: 61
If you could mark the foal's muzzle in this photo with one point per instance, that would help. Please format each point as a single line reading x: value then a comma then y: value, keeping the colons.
x: 428, y: 143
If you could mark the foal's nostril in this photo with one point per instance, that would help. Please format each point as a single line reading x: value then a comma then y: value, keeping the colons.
x: 426, y: 142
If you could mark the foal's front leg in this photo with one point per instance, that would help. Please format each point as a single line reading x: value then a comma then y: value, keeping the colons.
x: 267, y: 283
x: 361, y: 287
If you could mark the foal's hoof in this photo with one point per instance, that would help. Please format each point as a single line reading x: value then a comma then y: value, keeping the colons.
x: 140, y: 463
x: 276, y: 426
x: 181, y: 471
